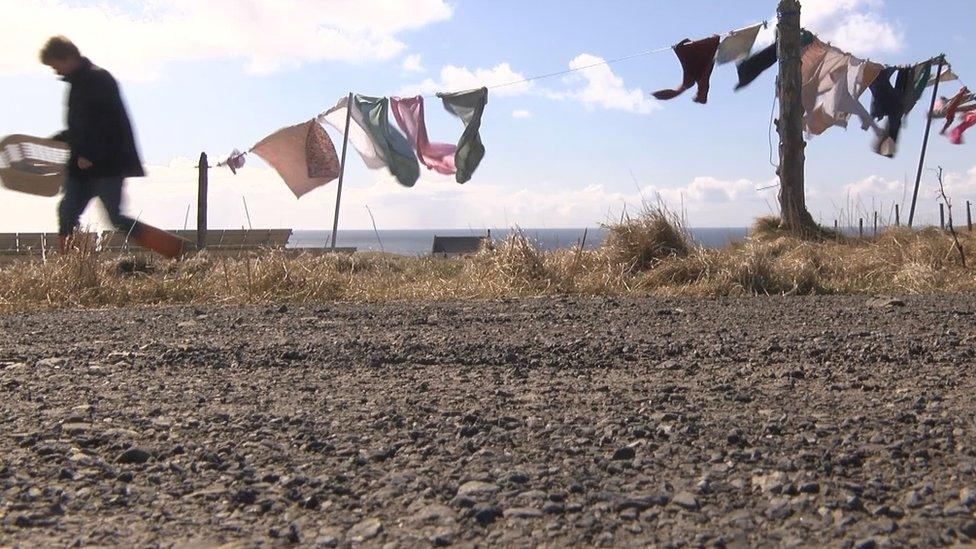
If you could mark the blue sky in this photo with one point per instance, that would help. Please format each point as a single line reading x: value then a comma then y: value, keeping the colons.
x: 567, y: 151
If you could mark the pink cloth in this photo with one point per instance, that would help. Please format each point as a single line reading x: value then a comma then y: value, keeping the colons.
x: 409, y: 114
x: 968, y: 121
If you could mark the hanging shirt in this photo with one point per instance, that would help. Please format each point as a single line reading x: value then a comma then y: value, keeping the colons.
x: 303, y: 155
x: 968, y: 121
x: 469, y: 106
x: 409, y: 114
x: 379, y: 144
x: 756, y: 64
x: 697, y: 61
x: 831, y: 83
x: 737, y: 45
x: 947, y: 108
x: 895, y: 102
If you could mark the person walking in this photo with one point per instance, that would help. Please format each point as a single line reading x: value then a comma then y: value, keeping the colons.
x: 103, y: 148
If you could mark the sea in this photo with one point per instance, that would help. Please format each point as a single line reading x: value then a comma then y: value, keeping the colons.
x: 419, y: 242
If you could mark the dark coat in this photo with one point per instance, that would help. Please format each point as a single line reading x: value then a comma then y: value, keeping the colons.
x: 98, y: 126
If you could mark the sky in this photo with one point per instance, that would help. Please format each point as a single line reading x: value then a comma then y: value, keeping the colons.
x: 572, y: 150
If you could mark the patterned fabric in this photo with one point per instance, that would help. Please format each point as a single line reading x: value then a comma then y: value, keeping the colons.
x: 303, y: 155
x: 318, y: 145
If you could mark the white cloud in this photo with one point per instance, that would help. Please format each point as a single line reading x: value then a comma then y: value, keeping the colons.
x: 411, y: 63
x: 521, y: 113
x: 268, y: 35
x: 605, y: 89
x: 875, y: 186
x: 857, y: 26
x: 454, y: 78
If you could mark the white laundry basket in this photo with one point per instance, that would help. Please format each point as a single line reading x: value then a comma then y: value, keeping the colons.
x: 33, y: 165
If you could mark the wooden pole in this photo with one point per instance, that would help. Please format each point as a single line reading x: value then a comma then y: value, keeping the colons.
x: 792, y: 200
x: 342, y: 170
x: 875, y: 223
x: 202, y: 167
x: 925, y: 140
x: 897, y: 216
x: 860, y: 227
x: 969, y: 217
x: 941, y: 215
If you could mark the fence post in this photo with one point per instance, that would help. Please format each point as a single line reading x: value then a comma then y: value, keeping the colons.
x: 202, y: 168
x: 897, y: 216
x: 941, y: 215
x: 860, y: 227
x: 969, y: 217
x: 875, y: 223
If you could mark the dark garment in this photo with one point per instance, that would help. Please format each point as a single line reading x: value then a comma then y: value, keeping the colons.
x: 697, y: 61
x: 469, y: 106
x: 894, y: 102
x: 750, y: 68
x: 78, y: 192
x: 98, y: 126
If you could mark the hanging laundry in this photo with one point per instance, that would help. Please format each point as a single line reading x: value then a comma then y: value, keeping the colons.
x: 303, y: 155
x: 831, y: 83
x: 379, y: 144
x: 358, y: 136
x: 945, y: 76
x: 895, y: 102
x: 750, y: 68
x: 947, y: 108
x: 409, y: 114
x: 469, y: 106
x: 235, y: 161
x: 697, y: 61
x: 737, y: 45
x: 968, y: 121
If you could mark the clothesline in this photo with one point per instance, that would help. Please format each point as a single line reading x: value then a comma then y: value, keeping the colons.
x: 688, y: 53
x: 662, y: 49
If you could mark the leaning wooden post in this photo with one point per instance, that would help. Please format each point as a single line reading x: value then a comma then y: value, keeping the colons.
x: 925, y: 140
x: 342, y: 171
x: 792, y: 200
x: 202, y: 168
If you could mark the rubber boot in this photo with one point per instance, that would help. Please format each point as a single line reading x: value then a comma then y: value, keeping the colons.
x: 159, y: 241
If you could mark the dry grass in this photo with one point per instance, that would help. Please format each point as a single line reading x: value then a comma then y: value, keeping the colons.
x: 649, y: 255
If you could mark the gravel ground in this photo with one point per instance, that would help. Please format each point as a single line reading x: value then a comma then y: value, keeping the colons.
x: 740, y: 422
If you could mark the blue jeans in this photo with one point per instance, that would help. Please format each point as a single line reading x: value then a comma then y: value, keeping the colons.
x: 78, y: 192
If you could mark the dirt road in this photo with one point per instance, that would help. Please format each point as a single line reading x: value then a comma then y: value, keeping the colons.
x: 773, y: 421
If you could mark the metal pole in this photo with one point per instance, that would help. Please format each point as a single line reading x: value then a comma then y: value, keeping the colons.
x: 202, y: 202
x: 925, y: 140
x: 342, y: 171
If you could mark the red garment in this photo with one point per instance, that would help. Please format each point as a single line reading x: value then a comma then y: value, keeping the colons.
x: 968, y: 121
x: 697, y: 61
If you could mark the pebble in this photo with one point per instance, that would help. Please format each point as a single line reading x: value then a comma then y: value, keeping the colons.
x: 624, y: 453
x: 685, y: 500
x: 133, y: 455
x: 365, y: 530
x: 522, y: 512
x: 476, y: 488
